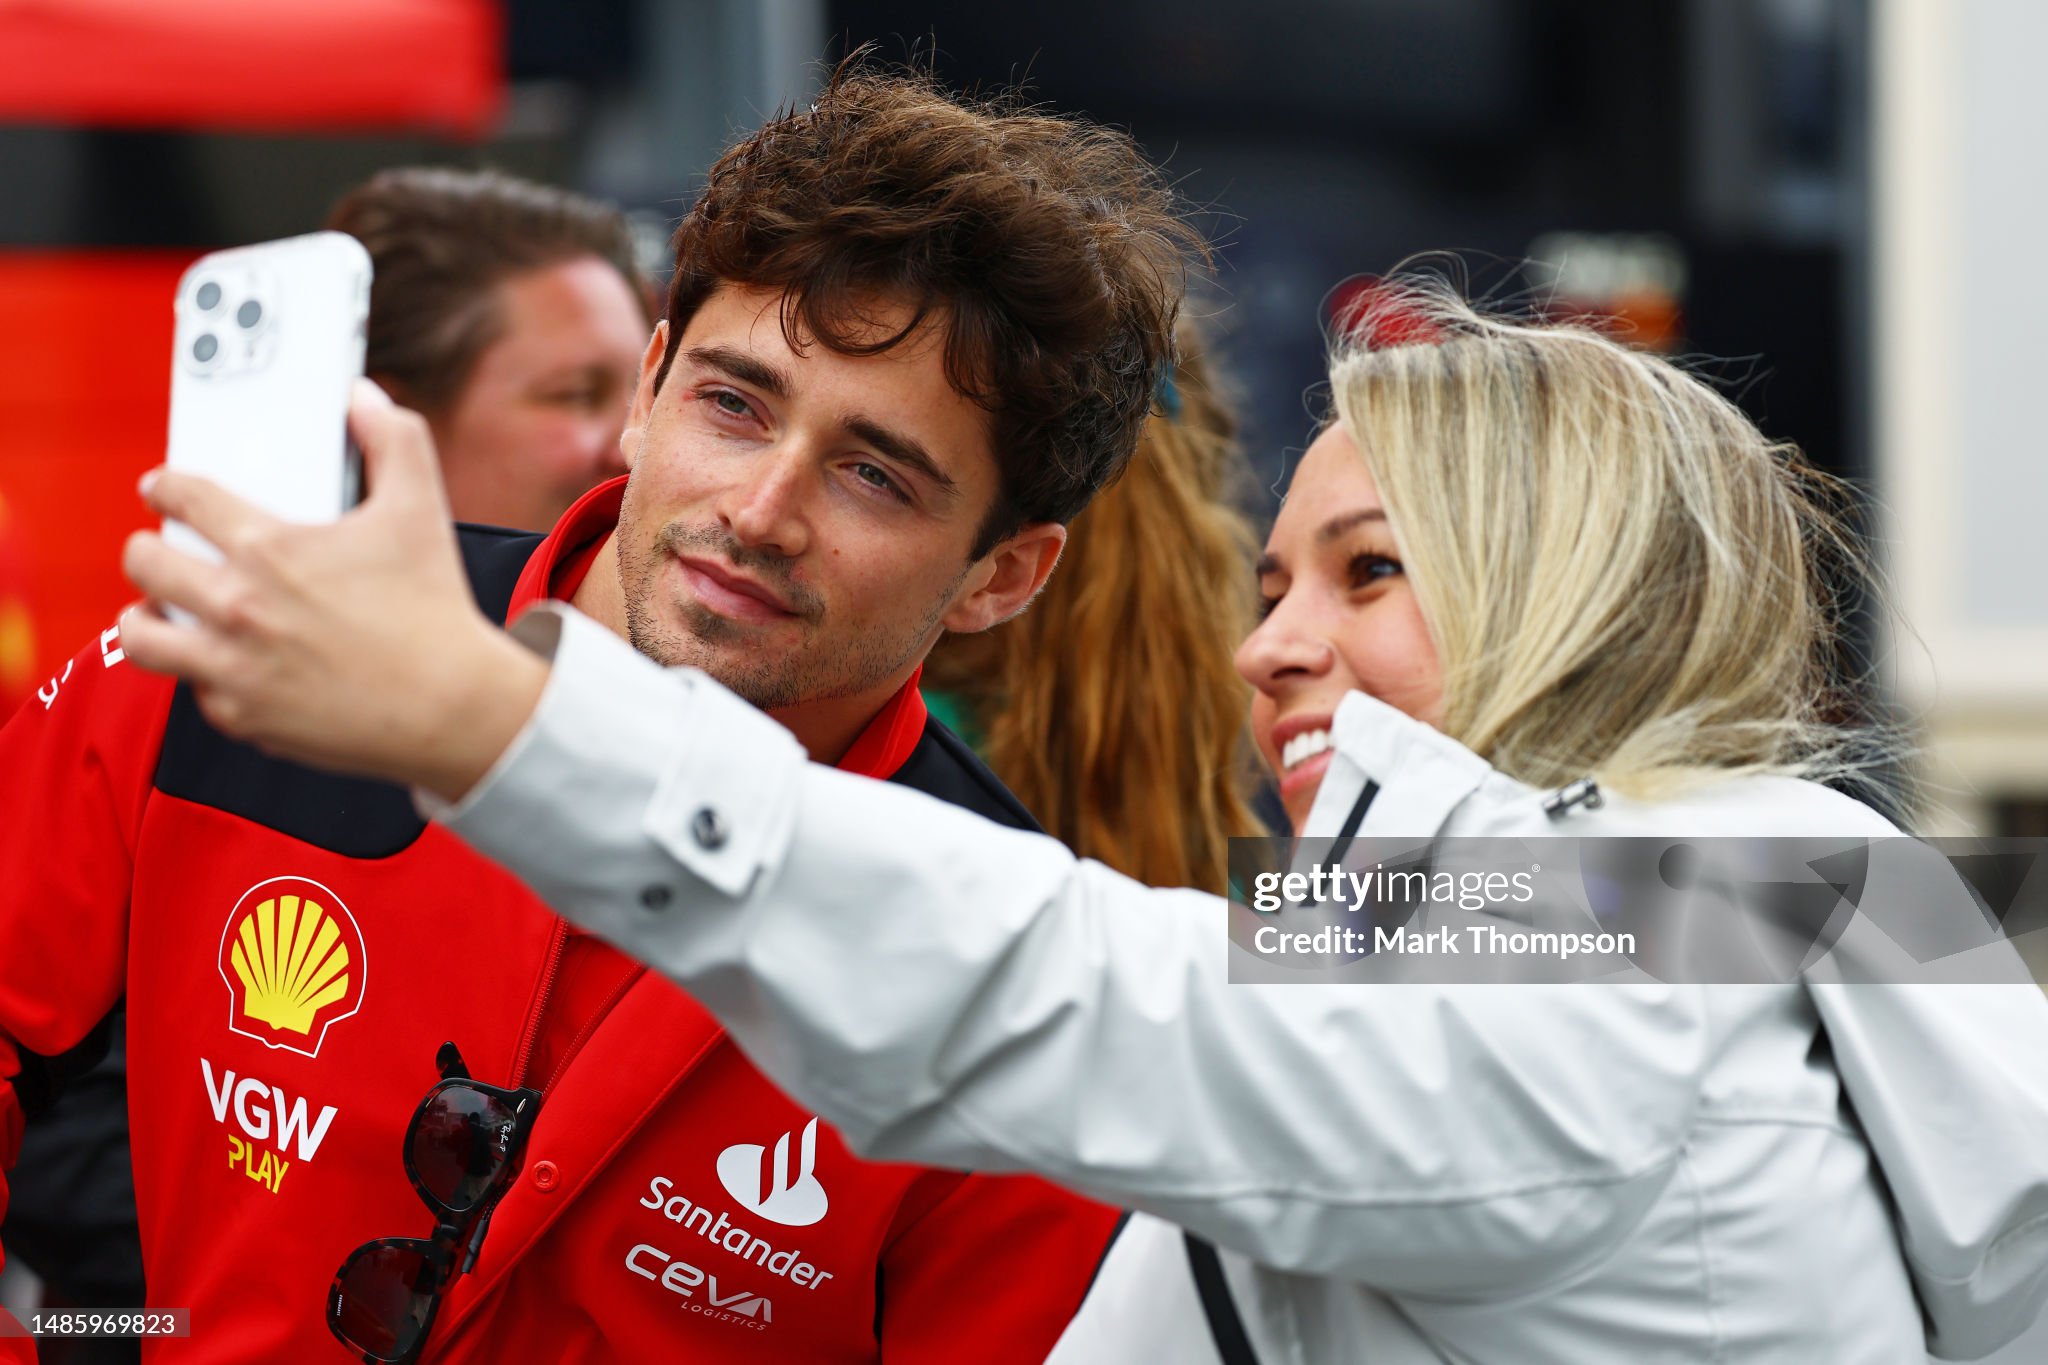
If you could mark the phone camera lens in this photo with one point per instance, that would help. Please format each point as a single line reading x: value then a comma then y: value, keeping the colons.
x: 249, y: 314
x: 205, y: 347
x: 208, y: 297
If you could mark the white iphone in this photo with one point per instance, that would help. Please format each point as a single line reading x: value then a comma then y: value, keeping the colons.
x: 269, y: 343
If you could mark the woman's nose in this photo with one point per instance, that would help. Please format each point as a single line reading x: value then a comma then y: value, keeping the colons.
x: 1284, y: 648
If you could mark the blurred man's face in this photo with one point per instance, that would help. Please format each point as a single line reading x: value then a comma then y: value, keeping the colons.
x: 798, y: 524
x: 537, y: 424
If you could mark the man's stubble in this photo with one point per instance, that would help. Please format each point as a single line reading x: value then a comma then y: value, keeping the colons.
x: 819, y: 668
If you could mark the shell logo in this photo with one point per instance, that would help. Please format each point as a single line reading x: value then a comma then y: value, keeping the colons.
x: 292, y: 957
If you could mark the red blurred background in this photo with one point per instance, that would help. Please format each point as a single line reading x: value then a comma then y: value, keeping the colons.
x: 85, y: 335
x: 85, y: 379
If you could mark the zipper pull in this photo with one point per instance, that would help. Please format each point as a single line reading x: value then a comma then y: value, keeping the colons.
x: 1584, y: 792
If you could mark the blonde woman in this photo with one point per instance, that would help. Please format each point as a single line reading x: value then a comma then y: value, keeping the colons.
x: 1517, y: 557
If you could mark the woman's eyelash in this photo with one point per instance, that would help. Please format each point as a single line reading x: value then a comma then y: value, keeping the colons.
x: 1370, y: 568
x: 1363, y: 570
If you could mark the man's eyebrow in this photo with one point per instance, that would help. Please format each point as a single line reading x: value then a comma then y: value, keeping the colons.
x: 586, y: 369
x: 1327, y: 532
x: 739, y: 365
x: 899, y: 448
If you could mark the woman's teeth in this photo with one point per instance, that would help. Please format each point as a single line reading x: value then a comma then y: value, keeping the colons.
x: 1303, y: 747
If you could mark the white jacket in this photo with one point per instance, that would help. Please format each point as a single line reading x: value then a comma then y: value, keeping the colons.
x: 1511, y: 1174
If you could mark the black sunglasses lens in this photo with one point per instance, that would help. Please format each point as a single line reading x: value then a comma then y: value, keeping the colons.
x: 383, y: 1297
x: 460, y: 1144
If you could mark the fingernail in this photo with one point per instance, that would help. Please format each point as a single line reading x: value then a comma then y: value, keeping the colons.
x: 368, y: 391
x: 148, y: 481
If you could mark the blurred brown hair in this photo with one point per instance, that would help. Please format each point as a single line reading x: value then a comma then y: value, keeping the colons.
x: 1050, y: 247
x: 1112, y: 707
x: 440, y: 240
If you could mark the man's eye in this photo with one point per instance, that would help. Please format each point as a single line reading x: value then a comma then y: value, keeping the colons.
x: 730, y: 403
x: 1369, y: 569
x: 875, y: 476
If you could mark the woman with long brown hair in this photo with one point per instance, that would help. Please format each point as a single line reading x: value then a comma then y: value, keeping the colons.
x: 1111, y: 707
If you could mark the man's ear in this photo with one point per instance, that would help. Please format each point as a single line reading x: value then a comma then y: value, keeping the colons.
x: 1008, y: 578
x: 643, y: 394
x: 394, y: 388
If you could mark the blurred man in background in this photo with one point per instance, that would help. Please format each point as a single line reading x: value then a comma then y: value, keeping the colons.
x: 511, y: 315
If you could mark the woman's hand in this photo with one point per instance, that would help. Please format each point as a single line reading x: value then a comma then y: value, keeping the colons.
x: 356, y: 645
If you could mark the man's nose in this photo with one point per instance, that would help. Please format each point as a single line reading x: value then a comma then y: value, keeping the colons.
x: 764, y: 506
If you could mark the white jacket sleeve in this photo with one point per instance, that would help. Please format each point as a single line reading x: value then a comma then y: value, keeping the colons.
x: 947, y: 991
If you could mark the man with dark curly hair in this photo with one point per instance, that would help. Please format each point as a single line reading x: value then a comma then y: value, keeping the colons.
x: 907, y: 339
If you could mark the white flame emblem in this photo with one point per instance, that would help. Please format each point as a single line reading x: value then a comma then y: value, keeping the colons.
x: 795, y: 1203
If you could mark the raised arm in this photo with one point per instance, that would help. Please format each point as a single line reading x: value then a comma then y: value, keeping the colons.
x: 951, y: 992
x: 941, y: 989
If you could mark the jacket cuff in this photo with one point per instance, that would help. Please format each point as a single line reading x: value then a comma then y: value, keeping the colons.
x: 657, y: 773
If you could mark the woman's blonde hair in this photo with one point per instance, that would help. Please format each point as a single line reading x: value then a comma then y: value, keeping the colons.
x: 1112, y: 708
x: 1623, y: 577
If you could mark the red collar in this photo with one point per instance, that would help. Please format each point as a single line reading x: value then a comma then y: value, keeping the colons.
x: 556, y: 570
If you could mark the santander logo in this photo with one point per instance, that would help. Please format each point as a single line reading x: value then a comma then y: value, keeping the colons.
x: 794, y: 1201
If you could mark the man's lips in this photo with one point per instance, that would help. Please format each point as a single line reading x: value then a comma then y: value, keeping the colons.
x: 731, y: 595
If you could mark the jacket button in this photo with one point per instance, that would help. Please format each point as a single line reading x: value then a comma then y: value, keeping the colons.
x: 546, y: 1175
x: 655, y: 896
x: 707, y: 827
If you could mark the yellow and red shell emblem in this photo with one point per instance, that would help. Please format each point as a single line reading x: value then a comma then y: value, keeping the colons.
x: 292, y: 958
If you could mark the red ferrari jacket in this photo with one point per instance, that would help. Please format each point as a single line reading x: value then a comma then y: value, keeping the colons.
x: 295, y: 947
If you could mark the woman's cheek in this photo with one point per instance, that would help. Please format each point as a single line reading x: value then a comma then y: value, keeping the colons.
x: 1262, y: 714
